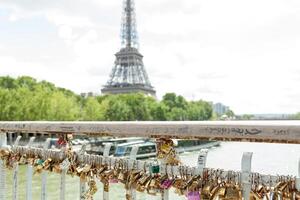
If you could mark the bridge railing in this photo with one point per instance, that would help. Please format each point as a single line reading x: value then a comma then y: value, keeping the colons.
x: 243, y: 183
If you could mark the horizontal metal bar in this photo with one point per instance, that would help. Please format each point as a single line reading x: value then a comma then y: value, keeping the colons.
x: 253, y: 131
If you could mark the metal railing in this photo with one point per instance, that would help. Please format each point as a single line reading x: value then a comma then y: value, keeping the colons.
x: 252, y: 131
x: 259, y: 131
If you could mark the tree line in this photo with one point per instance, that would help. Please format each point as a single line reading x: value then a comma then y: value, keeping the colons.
x: 25, y: 98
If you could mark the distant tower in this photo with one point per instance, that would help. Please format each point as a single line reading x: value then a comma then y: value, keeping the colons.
x: 128, y: 74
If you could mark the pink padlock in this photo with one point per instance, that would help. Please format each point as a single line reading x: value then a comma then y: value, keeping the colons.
x: 193, y: 195
x: 114, y: 180
x: 166, y: 184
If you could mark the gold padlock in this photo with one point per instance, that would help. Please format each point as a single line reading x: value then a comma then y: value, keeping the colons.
x: 232, y: 192
x: 106, y: 187
x: 179, y: 191
x: 86, y: 168
x: 143, y: 180
x: 56, y: 168
x: 165, y: 148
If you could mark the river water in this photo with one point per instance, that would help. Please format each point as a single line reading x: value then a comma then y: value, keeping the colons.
x: 272, y: 159
x: 267, y: 158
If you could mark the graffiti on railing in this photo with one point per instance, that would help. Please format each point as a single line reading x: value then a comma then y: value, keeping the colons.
x: 238, y: 131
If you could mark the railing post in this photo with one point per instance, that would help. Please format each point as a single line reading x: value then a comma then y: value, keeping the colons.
x: 29, y: 174
x: 82, y: 184
x: 3, y: 139
x: 44, y: 173
x: 165, y: 192
x: 298, y: 177
x: 201, y: 164
x: 3, y: 143
x: 165, y: 151
x: 15, y: 172
x: 132, y: 158
x: 106, y: 154
x: 63, y: 184
x: 64, y: 166
x: 245, y: 176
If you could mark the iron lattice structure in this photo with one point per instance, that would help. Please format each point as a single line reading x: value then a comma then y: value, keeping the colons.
x: 128, y: 74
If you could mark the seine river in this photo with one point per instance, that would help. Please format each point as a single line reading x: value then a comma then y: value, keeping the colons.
x: 281, y: 159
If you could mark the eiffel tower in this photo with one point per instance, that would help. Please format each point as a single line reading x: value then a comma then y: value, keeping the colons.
x: 128, y: 74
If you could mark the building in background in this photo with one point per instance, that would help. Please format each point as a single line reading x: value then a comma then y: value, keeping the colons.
x: 128, y: 74
x: 220, y: 108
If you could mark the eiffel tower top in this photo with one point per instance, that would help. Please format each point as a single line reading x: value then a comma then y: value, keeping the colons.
x: 128, y: 27
x: 128, y: 74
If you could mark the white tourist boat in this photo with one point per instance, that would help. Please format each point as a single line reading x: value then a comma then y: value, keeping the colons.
x: 97, y: 146
x: 148, y: 149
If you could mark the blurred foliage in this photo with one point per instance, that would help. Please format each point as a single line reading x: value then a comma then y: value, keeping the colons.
x: 295, y: 116
x: 25, y: 98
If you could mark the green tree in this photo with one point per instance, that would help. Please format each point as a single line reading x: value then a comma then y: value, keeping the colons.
x: 247, y: 117
x: 26, y: 82
x: 158, y: 110
x: 199, y: 110
x: 177, y: 114
x: 63, y: 108
x: 92, y: 110
x: 127, y: 107
x: 138, y: 106
x: 25, y: 98
x: 7, y: 82
x: 230, y: 113
x: 5, y: 101
x: 296, y: 116
x: 173, y: 101
x: 116, y: 110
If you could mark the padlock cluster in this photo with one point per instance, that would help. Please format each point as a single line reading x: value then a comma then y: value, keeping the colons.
x: 166, y: 151
x: 151, y: 179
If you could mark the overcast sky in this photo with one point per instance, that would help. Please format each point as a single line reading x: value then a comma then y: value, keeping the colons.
x: 244, y: 54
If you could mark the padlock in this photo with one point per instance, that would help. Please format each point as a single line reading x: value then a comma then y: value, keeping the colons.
x: 86, y: 168
x: 193, y: 195
x: 144, y: 179
x: 39, y: 162
x: 106, y: 187
x: 113, y: 180
x: 166, y: 184
x: 155, y: 169
x: 165, y: 148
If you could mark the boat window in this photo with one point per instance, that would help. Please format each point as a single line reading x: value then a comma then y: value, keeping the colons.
x: 112, y: 150
x: 147, y: 149
x: 128, y: 150
x: 120, y: 151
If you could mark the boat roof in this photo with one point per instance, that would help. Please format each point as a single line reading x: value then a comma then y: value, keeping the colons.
x: 130, y: 143
x: 146, y: 144
x: 122, y: 138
